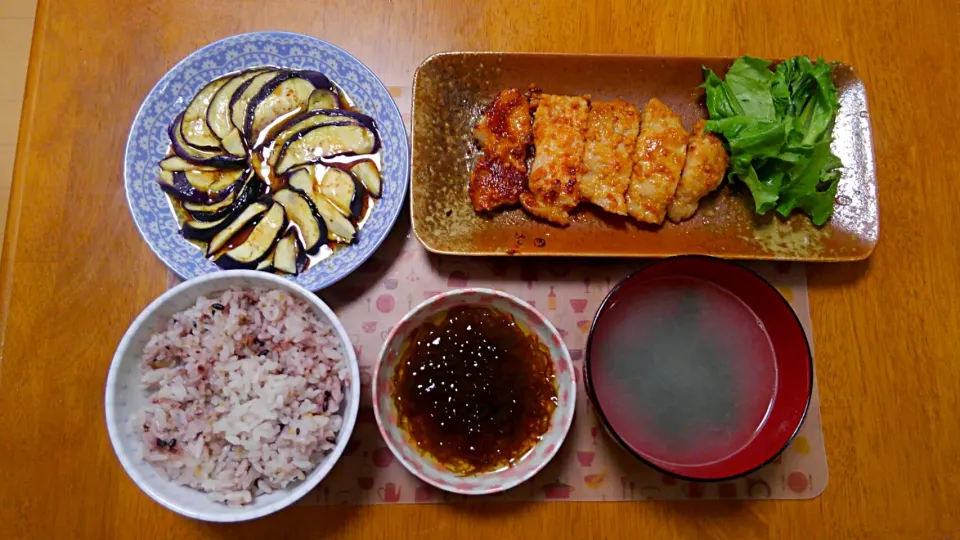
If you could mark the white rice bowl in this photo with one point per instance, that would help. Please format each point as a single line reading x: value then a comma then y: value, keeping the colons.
x: 232, y: 395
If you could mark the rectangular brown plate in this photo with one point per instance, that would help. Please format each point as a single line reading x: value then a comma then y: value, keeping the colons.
x: 450, y: 90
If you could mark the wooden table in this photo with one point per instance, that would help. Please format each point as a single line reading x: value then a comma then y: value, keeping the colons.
x: 75, y: 272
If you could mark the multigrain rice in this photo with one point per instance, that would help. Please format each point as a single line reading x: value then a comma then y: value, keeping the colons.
x: 244, y: 394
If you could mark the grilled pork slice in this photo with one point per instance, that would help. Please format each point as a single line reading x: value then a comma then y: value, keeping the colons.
x: 504, y: 135
x: 658, y: 161
x: 702, y: 173
x: 558, y: 130
x: 608, y: 154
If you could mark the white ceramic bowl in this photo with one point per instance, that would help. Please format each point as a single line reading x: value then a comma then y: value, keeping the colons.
x: 427, y: 468
x: 124, y: 400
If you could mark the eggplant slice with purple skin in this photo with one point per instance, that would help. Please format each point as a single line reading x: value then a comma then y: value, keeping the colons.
x: 322, y: 98
x: 309, y: 119
x: 194, y: 128
x: 234, y: 141
x: 192, y: 154
x: 206, y: 229
x: 177, y: 185
x: 294, y: 124
x: 289, y: 256
x: 266, y: 265
x: 282, y: 95
x: 214, y: 181
x: 301, y: 211
x: 235, y: 223
x: 259, y: 244
x: 288, y: 92
x: 211, y: 212
x: 182, y: 190
x: 344, y: 115
x: 325, y: 141
x: 339, y: 228
x: 251, y: 191
x: 317, y: 79
x: 218, y: 113
x: 202, y: 230
x: 244, y: 96
x: 176, y: 163
x: 368, y: 174
x: 344, y: 191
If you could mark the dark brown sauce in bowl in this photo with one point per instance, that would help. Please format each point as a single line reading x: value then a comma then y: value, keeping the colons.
x: 474, y: 390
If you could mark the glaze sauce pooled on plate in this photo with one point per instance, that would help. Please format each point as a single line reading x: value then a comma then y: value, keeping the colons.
x: 474, y: 390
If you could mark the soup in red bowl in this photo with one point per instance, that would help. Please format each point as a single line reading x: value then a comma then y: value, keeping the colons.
x: 699, y: 367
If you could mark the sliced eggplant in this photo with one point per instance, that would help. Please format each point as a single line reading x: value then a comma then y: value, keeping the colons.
x: 211, y: 212
x: 299, y: 123
x: 234, y: 144
x: 176, y: 163
x: 322, y: 98
x: 302, y: 181
x: 194, y: 127
x: 199, y: 156
x: 368, y: 174
x: 317, y: 79
x: 324, y: 141
x: 200, y: 228
x: 214, y: 193
x: 301, y: 211
x: 235, y: 223
x: 203, y: 230
x: 266, y: 265
x: 259, y: 244
x: 177, y: 185
x: 168, y: 183
x: 234, y: 141
x: 289, y: 256
x: 343, y: 114
x: 251, y: 190
x: 218, y: 113
x: 213, y: 181
x: 280, y: 96
x: 343, y: 190
x: 240, y: 103
x: 339, y: 228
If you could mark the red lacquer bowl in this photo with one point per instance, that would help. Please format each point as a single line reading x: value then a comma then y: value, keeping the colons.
x: 699, y: 367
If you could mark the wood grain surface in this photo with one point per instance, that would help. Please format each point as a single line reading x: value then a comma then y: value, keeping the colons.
x: 75, y: 272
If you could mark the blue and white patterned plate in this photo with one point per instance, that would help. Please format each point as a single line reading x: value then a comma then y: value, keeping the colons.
x: 148, y: 144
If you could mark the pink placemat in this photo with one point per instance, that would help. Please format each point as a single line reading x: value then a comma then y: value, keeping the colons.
x: 590, y: 466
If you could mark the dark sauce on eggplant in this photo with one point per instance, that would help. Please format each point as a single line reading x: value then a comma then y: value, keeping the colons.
x: 474, y: 390
x: 257, y: 160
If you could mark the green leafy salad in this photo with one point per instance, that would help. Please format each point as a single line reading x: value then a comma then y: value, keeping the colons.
x: 778, y: 124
